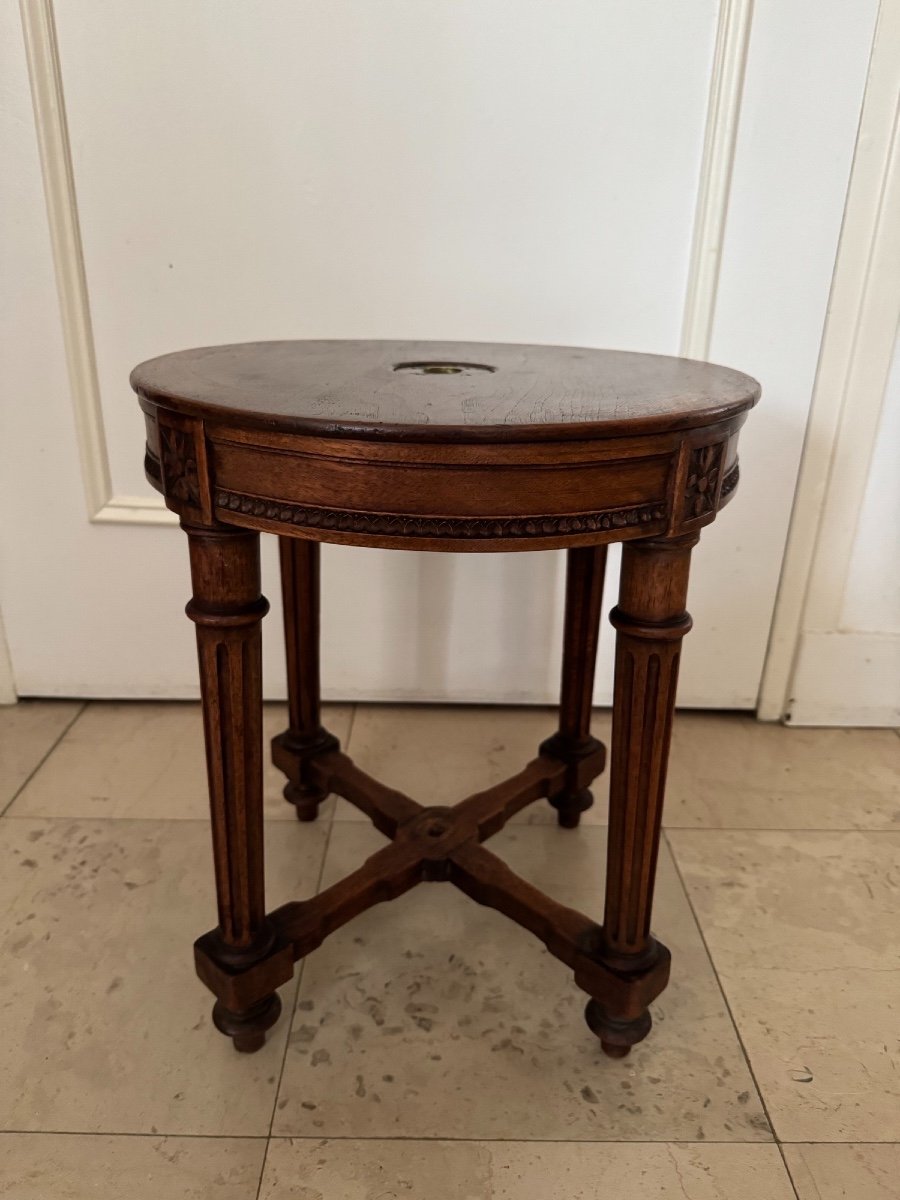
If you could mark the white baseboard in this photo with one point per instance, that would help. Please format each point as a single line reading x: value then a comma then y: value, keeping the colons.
x: 847, y: 679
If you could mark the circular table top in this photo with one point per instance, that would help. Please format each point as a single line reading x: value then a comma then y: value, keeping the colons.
x: 443, y: 391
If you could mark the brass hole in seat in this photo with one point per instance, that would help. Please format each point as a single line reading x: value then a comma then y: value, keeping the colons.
x: 442, y: 368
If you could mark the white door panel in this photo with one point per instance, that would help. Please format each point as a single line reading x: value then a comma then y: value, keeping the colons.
x: 345, y: 169
x: 492, y: 170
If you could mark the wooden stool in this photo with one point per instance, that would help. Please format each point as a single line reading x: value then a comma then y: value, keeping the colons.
x: 446, y: 447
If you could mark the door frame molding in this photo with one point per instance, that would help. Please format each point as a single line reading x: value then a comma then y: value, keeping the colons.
x: 45, y: 77
x: 723, y: 112
x: 854, y: 361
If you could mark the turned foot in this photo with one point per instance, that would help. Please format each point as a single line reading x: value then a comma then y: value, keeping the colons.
x: 570, y: 805
x: 573, y: 800
x: 290, y: 751
x: 306, y: 800
x: 247, y: 1029
x: 616, y: 1037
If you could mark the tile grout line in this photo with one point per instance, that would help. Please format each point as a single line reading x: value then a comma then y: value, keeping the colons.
x: 731, y: 1017
x: 290, y: 1024
x: 781, y: 828
x: 296, y: 991
x: 351, y: 820
x: 476, y: 1141
x: 31, y: 774
x: 787, y: 1169
x: 349, y: 1137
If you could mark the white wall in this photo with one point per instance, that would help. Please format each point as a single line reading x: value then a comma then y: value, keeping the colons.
x: 496, y: 170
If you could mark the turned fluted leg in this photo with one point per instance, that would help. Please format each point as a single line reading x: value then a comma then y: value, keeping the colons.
x: 227, y: 608
x: 585, y: 570
x: 650, y: 620
x: 304, y: 736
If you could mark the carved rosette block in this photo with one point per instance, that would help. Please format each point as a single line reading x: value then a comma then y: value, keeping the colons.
x: 703, y: 480
x: 179, y: 465
x: 650, y: 620
x: 176, y: 462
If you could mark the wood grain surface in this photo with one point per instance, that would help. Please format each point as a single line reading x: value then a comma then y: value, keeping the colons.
x: 427, y: 391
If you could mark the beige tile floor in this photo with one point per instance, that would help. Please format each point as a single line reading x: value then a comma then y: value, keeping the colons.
x: 430, y: 1048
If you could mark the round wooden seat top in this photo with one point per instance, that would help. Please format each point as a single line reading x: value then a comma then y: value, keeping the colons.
x: 442, y: 445
x: 432, y: 391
